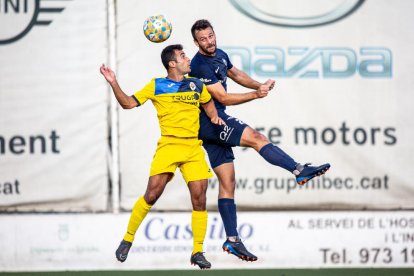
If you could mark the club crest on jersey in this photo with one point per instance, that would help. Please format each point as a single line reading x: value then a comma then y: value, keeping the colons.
x: 224, y: 61
x: 192, y: 86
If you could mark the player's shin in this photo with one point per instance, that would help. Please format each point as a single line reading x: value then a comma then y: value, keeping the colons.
x: 276, y: 156
x: 139, y: 211
x: 199, y: 227
x: 227, y: 210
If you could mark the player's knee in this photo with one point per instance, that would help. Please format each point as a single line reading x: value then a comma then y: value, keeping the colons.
x: 254, y: 139
x: 199, y: 202
x: 151, y: 197
x: 257, y: 136
x: 228, y: 186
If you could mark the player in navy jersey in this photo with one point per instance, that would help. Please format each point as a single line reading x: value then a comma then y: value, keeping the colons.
x: 212, y: 66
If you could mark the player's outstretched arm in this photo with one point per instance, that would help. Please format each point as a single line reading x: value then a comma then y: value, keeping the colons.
x: 245, y: 80
x: 219, y: 94
x: 127, y: 102
x: 211, y: 111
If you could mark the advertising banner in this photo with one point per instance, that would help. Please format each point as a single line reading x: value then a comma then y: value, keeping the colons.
x: 164, y: 241
x: 342, y: 95
x: 53, y: 106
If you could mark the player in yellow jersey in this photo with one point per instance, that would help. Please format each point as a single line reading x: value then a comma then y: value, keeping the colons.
x: 177, y: 99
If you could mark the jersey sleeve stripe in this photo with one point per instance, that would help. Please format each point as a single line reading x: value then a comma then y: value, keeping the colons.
x: 133, y: 96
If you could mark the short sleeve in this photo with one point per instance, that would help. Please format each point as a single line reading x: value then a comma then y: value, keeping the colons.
x: 205, y: 95
x: 229, y: 64
x: 145, y: 93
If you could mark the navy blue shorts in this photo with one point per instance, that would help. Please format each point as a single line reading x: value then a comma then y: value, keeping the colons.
x: 218, y: 140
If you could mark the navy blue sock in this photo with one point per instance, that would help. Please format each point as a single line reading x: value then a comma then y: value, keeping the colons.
x: 227, y: 210
x: 276, y: 156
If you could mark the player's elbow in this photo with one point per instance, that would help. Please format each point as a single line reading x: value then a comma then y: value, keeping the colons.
x: 223, y: 99
x: 128, y: 105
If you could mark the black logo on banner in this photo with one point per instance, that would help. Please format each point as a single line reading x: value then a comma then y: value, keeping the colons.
x: 18, y: 17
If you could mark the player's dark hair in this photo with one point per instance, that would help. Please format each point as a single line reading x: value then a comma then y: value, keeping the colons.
x: 168, y: 54
x: 199, y: 25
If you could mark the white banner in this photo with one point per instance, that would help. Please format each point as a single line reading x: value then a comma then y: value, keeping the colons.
x: 343, y: 96
x: 53, y: 106
x: 280, y: 240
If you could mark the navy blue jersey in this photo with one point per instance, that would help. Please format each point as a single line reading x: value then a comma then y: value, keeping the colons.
x: 212, y: 69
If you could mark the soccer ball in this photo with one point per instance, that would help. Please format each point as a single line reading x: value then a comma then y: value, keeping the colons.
x: 157, y: 28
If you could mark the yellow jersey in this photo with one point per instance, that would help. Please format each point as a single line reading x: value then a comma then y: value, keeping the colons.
x: 177, y: 104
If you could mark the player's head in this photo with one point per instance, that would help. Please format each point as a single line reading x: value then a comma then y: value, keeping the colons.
x: 204, y: 37
x: 174, y: 58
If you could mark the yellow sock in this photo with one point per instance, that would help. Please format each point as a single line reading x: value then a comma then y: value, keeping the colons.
x: 199, y: 227
x: 138, y: 214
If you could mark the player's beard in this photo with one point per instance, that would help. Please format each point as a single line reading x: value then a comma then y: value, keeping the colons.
x: 210, y: 50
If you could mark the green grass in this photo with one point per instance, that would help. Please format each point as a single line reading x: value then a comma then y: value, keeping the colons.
x: 235, y: 272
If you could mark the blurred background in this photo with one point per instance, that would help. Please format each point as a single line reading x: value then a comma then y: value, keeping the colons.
x: 72, y: 164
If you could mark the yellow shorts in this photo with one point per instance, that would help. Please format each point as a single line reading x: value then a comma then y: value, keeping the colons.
x: 185, y: 153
